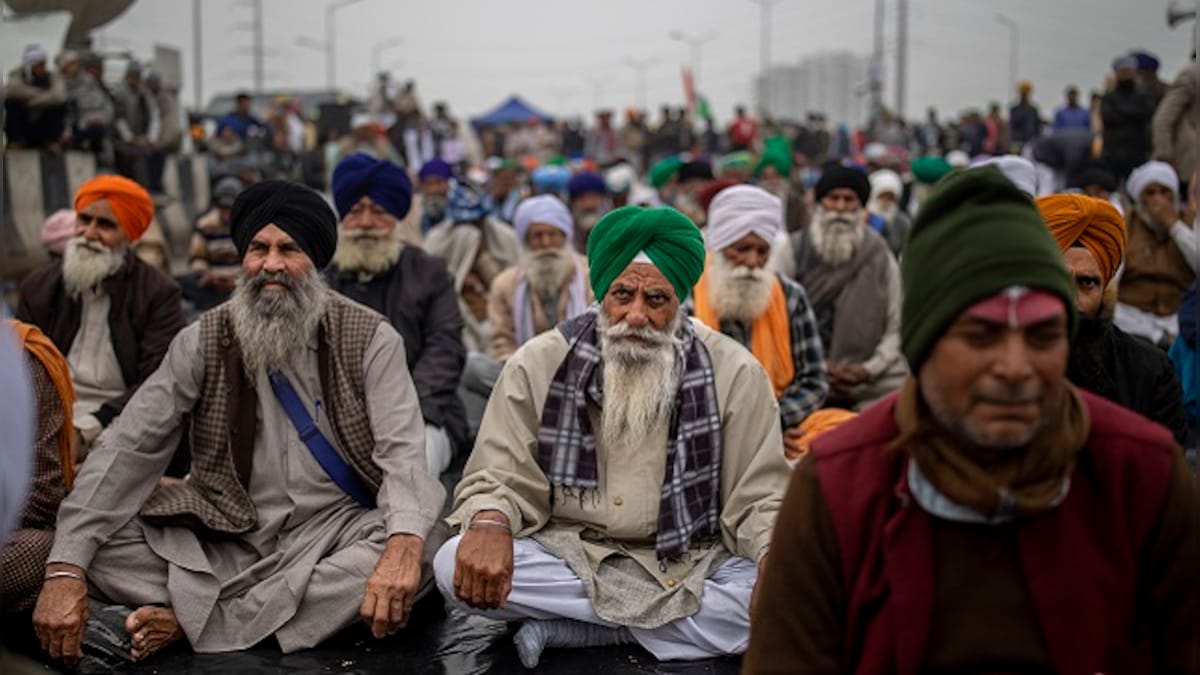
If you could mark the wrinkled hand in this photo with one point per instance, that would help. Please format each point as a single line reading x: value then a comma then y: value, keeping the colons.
x: 61, y: 615
x: 483, y: 567
x: 791, y: 442
x: 392, y: 588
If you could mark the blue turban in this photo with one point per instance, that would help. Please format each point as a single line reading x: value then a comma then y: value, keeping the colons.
x: 361, y: 175
x: 467, y: 203
x: 436, y: 168
x: 550, y: 178
x: 1146, y: 61
x: 583, y: 183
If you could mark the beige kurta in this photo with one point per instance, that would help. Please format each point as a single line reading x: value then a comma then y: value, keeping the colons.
x: 299, y: 574
x: 607, y: 537
x: 502, y: 301
x: 95, y: 371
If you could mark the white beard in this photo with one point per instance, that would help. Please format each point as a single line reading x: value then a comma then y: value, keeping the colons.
x: 835, y: 237
x: 888, y: 213
x: 366, y: 254
x: 738, y: 293
x: 86, y: 264
x: 640, y: 381
x: 548, y: 271
x: 272, y: 324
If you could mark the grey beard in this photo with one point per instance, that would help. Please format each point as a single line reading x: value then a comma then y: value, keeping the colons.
x: 738, y: 293
x: 548, y: 271
x: 835, y: 237
x: 87, y: 264
x: 271, y: 325
x: 640, y: 381
x: 366, y: 254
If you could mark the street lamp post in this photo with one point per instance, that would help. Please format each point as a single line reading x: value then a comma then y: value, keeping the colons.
x: 1014, y: 32
x: 695, y: 42
x: 640, y: 66
x: 331, y: 41
x: 378, y: 49
x: 765, y: 56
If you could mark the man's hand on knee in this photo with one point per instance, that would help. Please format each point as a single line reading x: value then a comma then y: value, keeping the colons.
x: 393, y: 586
x: 483, y: 566
x: 62, y: 612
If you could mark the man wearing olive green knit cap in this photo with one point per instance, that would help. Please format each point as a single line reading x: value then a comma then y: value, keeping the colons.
x: 628, y: 470
x: 989, y: 517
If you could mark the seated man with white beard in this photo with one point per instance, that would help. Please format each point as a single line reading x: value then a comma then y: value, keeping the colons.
x: 627, y: 475
x: 412, y: 289
x: 854, y: 285
x: 547, y: 287
x: 309, y: 500
x: 112, y: 315
x: 764, y: 311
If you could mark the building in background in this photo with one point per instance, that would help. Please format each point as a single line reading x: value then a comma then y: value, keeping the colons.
x: 831, y: 82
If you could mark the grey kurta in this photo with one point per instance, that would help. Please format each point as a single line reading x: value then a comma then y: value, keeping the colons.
x: 300, y: 573
x: 607, y: 537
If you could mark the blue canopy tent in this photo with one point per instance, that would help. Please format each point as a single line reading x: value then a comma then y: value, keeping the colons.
x: 512, y: 110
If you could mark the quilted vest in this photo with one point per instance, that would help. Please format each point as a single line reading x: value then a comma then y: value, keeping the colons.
x: 224, y: 422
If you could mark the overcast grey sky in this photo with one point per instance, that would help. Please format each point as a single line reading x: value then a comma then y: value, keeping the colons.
x: 473, y: 53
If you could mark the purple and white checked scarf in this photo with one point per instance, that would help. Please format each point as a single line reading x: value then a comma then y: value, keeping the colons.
x: 689, y: 510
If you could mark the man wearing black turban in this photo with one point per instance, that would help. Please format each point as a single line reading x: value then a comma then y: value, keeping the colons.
x: 308, y: 468
x: 413, y: 289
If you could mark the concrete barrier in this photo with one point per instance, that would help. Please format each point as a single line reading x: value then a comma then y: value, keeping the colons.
x: 37, y: 183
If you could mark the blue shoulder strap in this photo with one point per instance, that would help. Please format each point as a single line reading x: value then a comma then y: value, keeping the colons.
x: 339, y: 471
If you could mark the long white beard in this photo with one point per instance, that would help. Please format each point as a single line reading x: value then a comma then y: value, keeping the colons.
x: 548, y: 271
x: 640, y: 380
x: 736, y: 292
x: 835, y: 236
x: 366, y: 254
x: 271, y: 325
x: 86, y: 264
x: 888, y: 213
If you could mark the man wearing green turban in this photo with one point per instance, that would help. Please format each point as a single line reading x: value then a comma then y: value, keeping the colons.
x: 990, y: 510
x: 664, y: 177
x: 628, y: 469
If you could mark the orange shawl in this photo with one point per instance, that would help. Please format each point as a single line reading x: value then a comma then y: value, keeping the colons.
x: 770, y: 335
x: 41, y: 348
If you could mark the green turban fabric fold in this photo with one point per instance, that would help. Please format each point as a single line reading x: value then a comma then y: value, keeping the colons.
x: 777, y: 152
x: 671, y: 241
x: 975, y: 235
x: 661, y: 173
x: 929, y: 170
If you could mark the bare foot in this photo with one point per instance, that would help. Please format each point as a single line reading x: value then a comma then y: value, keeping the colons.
x: 150, y: 629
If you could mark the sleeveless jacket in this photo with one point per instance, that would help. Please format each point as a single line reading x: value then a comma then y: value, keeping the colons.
x: 224, y: 421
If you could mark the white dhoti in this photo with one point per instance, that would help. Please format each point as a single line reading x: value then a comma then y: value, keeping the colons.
x: 544, y: 587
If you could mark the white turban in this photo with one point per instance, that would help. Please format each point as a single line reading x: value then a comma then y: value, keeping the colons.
x: 886, y: 180
x: 1018, y: 170
x: 620, y: 178
x: 33, y: 55
x: 545, y: 209
x: 958, y: 159
x: 1149, y: 174
x: 740, y: 210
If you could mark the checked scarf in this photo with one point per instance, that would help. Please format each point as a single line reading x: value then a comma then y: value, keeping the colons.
x: 688, y: 510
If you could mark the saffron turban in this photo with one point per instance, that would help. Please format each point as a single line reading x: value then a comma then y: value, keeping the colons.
x: 296, y: 209
x: 129, y: 201
x: 361, y: 175
x: 740, y: 210
x: 668, y: 238
x: 544, y: 209
x: 1077, y: 220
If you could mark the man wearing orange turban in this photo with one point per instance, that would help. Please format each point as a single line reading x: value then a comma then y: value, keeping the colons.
x: 1104, y: 359
x: 108, y: 312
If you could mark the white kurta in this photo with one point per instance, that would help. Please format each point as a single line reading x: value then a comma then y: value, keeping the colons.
x: 300, y: 573
x: 95, y: 371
